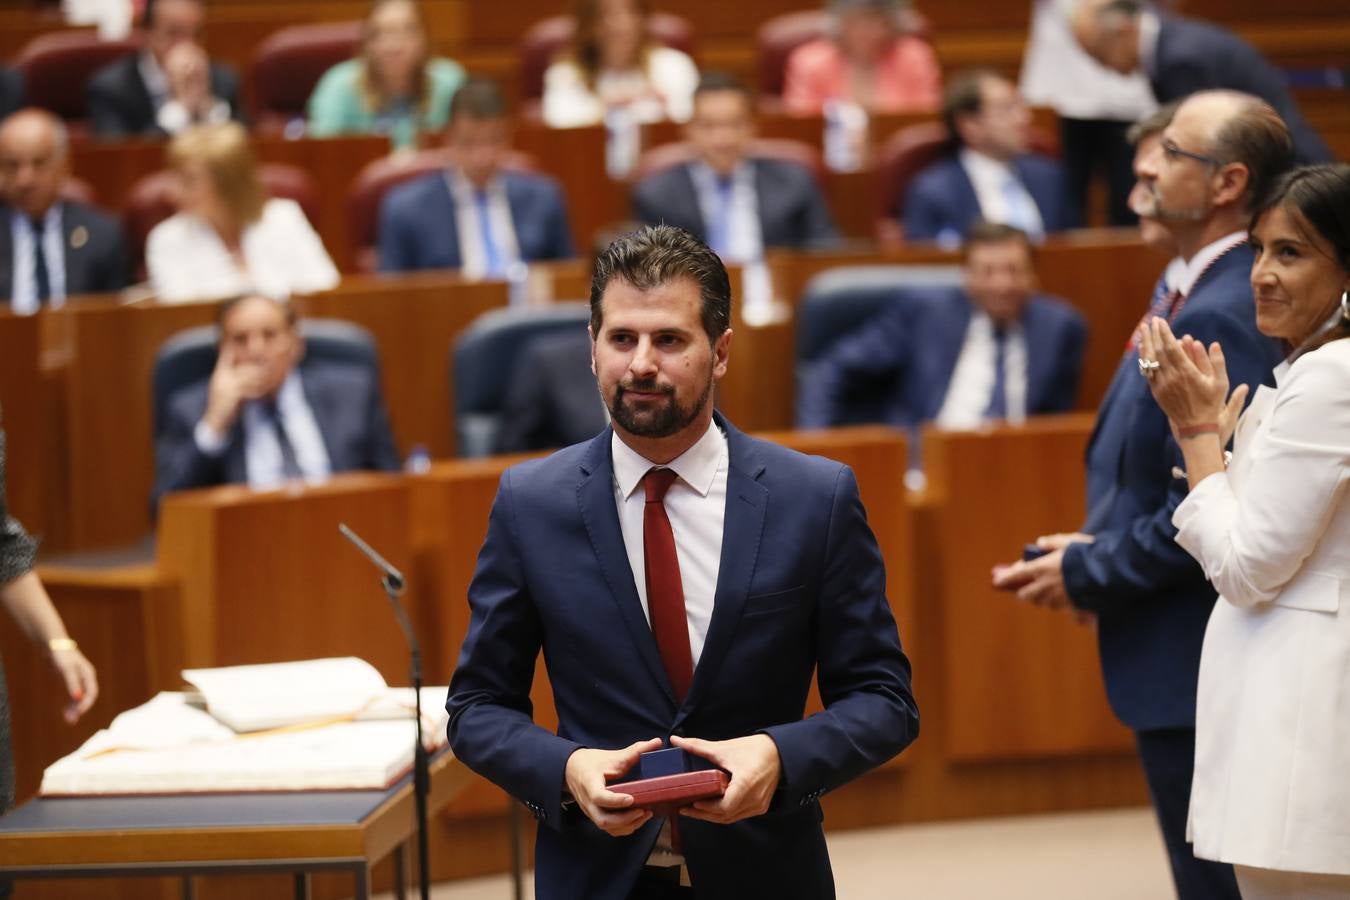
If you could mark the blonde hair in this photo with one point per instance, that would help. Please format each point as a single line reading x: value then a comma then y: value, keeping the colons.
x: 225, y: 152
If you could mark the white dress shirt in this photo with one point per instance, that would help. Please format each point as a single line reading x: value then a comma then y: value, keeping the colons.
x: 696, y: 506
x: 671, y: 76
x: 23, y: 289
x: 968, y: 393
x: 473, y: 256
x: 1057, y: 72
x: 283, y: 255
x: 262, y: 447
x: 740, y: 231
x: 1002, y: 195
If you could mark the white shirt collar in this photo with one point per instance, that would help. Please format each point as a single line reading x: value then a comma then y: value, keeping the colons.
x: 983, y: 166
x: 1149, y: 26
x: 697, y: 466
x: 1197, y: 264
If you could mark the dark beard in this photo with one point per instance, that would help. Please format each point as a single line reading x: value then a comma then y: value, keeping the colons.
x: 659, y: 422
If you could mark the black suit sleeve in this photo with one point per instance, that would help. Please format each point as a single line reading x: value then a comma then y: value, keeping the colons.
x: 179, y: 465
x: 106, y: 108
x: 817, y: 224
x: 879, y: 348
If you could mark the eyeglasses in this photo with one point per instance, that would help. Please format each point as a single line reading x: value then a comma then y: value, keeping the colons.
x: 1173, y: 153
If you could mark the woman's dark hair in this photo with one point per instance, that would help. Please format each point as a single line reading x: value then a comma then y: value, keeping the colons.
x: 1320, y: 195
x: 586, y: 42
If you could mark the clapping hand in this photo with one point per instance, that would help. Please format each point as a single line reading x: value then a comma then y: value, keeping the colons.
x: 1190, y: 382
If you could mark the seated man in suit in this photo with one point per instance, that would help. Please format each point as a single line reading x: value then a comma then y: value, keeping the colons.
x: 551, y: 399
x: 50, y: 248
x: 11, y: 91
x: 960, y: 357
x: 738, y: 204
x: 1181, y: 56
x: 168, y: 86
x: 992, y: 176
x: 477, y: 215
x: 267, y: 414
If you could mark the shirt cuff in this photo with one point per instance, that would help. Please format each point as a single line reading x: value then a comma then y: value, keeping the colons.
x: 209, y: 441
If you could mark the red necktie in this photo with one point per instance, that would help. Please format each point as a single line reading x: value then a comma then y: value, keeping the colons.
x: 665, y: 591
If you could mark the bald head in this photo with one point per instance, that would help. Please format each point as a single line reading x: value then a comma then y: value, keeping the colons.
x: 33, y: 160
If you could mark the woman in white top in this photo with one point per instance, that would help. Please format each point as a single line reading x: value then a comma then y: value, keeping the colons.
x: 228, y: 237
x: 1272, y: 531
x: 614, y: 65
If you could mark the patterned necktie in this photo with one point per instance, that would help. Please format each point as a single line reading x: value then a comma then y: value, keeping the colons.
x: 998, y: 395
x: 290, y: 465
x: 1162, y: 303
x: 665, y: 591
x: 41, y: 276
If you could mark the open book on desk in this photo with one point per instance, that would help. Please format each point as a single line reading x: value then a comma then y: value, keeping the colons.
x: 273, y: 695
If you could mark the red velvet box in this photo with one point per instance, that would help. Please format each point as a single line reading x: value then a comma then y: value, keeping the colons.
x: 670, y: 792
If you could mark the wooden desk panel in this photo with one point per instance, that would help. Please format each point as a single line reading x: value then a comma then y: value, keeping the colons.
x: 1026, y: 681
x: 21, y: 419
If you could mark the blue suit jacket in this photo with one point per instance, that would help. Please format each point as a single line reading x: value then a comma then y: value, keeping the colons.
x: 801, y: 588
x: 418, y: 229
x: 941, y: 201
x: 348, y: 407
x: 1152, y: 599
x: 900, y: 363
x: 1194, y: 56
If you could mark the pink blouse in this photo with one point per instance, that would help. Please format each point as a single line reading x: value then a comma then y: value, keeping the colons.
x: 908, y: 78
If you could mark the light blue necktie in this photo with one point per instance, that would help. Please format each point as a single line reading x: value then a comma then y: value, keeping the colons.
x: 492, y: 257
x: 719, y: 230
x: 1015, y: 200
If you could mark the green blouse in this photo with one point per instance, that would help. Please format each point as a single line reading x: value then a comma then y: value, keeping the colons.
x: 337, y: 106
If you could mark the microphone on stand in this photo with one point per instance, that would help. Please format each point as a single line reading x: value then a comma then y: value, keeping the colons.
x: 394, y: 584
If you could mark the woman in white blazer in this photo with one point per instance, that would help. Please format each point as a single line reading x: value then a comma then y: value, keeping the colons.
x: 1272, y: 531
x: 228, y: 237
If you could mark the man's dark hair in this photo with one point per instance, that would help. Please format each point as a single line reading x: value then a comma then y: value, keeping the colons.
x: 286, y: 306
x: 1257, y: 137
x: 655, y: 256
x: 964, y: 96
x: 148, y: 13
x: 716, y: 80
x: 982, y: 232
x: 478, y: 98
x: 1154, y: 123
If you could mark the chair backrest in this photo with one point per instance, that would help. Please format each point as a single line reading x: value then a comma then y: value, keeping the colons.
x: 57, y: 66
x: 382, y: 175
x: 483, y: 360
x: 676, y: 153
x: 840, y: 301
x: 546, y: 38
x: 189, y: 356
x: 289, y: 63
x: 154, y: 198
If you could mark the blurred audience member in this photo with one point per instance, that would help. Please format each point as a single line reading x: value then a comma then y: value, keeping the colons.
x: 1095, y: 107
x: 614, y: 65
x: 394, y: 87
x: 50, y: 248
x: 1181, y: 56
x: 11, y: 91
x: 170, y: 85
x: 995, y: 349
x: 869, y: 60
x: 993, y: 176
x: 735, y: 202
x: 268, y: 414
x: 477, y: 215
x: 551, y: 400
x: 229, y: 237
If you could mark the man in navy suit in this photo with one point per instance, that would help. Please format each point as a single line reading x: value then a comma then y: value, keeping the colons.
x: 994, y: 349
x: 1216, y: 158
x: 477, y: 215
x: 1181, y: 56
x: 992, y: 176
x: 167, y: 87
x: 50, y: 248
x: 737, y: 203
x: 683, y: 581
x: 267, y: 415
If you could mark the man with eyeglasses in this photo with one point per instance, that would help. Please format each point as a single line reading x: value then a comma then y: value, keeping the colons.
x: 1181, y: 56
x: 1215, y: 159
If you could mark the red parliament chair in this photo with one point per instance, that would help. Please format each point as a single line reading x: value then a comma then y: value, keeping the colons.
x: 381, y: 176
x: 289, y: 63
x: 154, y: 198
x: 658, y: 159
x: 543, y: 41
x: 908, y: 152
x: 57, y: 66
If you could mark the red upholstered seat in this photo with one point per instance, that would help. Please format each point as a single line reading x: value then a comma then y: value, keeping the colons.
x: 57, y: 66
x: 289, y: 63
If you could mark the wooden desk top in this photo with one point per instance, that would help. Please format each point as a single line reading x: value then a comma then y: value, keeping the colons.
x: 48, y: 833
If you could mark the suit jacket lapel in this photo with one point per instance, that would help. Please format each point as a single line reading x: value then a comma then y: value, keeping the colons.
x: 595, y: 500
x: 742, y: 528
